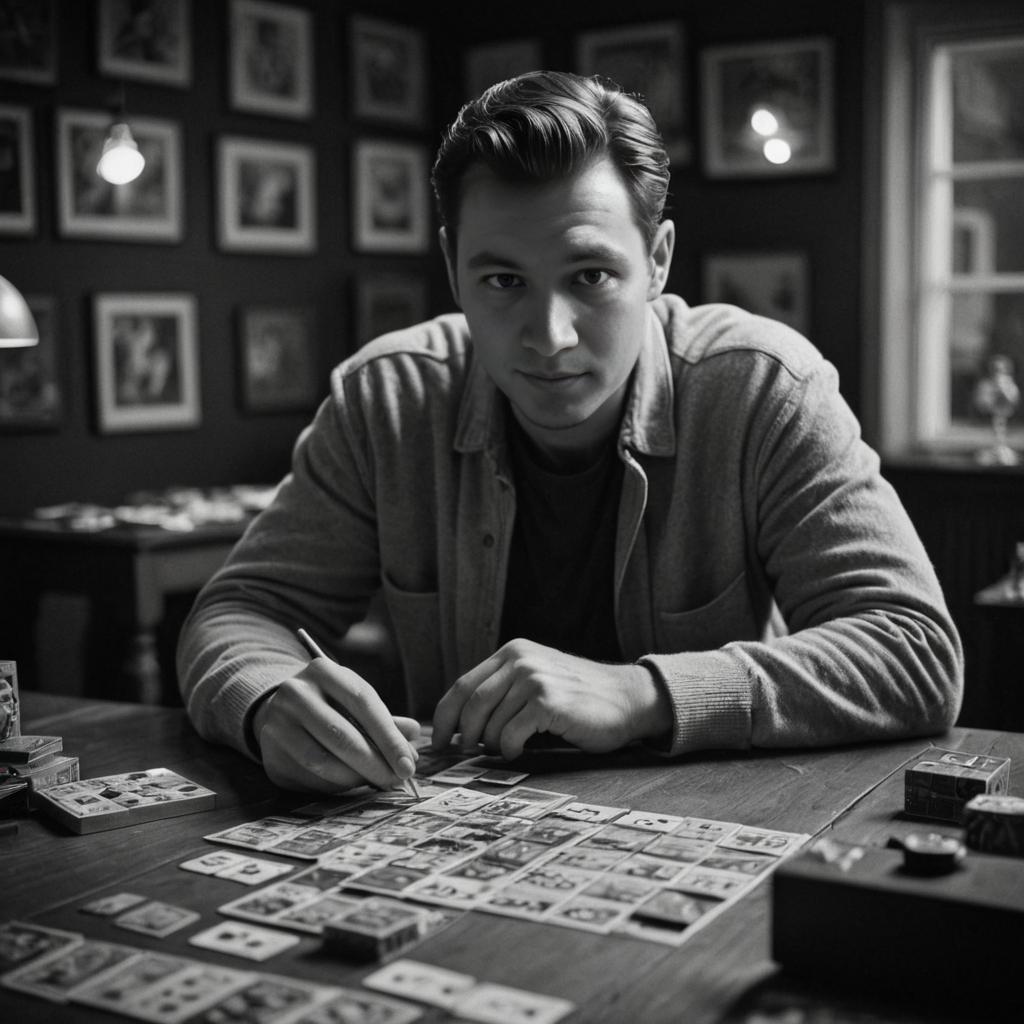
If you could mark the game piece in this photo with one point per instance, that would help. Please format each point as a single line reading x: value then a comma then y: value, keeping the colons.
x: 112, y: 801
x: 938, y: 785
x: 10, y: 706
x: 28, y: 750
x: 995, y: 824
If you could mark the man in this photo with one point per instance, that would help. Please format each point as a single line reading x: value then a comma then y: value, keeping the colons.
x: 594, y: 511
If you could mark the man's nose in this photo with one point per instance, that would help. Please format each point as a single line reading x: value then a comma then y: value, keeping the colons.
x: 551, y: 326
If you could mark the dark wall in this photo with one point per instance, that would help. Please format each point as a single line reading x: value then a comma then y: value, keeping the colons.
x: 820, y: 215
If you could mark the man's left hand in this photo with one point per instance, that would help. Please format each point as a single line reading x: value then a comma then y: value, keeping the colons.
x: 526, y: 688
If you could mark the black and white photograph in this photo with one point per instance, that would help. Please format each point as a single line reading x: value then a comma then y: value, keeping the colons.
x: 28, y: 41
x: 772, y: 284
x: 31, y: 391
x: 391, y: 206
x: 145, y: 40
x: 17, y: 171
x: 389, y: 80
x: 277, y: 358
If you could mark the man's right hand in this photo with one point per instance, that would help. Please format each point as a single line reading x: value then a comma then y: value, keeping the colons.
x: 307, y: 741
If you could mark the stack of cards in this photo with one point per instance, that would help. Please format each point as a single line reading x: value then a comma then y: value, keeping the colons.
x: 111, y: 801
x: 36, y: 762
x: 376, y: 927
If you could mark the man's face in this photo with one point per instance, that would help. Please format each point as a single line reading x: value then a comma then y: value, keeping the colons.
x: 555, y: 280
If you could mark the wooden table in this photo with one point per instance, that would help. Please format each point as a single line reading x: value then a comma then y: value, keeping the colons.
x: 856, y: 792
x: 127, y: 572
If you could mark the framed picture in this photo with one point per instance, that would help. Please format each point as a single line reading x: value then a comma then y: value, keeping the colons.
x: 17, y: 172
x: 388, y: 302
x: 31, y: 393
x: 391, y: 208
x: 148, y: 209
x: 147, y: 40
x: 649, y: 60
x: 277, y: 359
x: 389, y: 71
x: 772, y: 284
x: 768, y: 109
x: 494, y: 62
x: 28, y: 41
x: 266, y: 192
x: 271, y: 58
x: 147, y: 362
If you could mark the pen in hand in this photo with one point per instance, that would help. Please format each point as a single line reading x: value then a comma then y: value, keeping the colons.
x: 408, y: 785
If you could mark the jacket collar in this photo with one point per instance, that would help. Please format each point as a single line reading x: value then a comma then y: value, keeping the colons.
x: 648, y: 423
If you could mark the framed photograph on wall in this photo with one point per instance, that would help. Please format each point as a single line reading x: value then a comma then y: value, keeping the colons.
x: 28, y: 41
x: 389, y: 78
x: 271, y: 58
x: 768, y: 109
x: 145, y: 40
x: 772, y: 284
x: 277, y: 359
x: 146, y: 361
x: 648, y: 59
x: 390, y: 204
x: 148, y: 209
x: 17, y: 171
x: 494, y: 62
x: 388, y: 302
x: 31, y: 391
x: 266, y: 195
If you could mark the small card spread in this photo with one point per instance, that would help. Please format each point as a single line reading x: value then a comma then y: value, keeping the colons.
x: 53, y: 976
x: 112, y: 801
x: 260, y: 834
x: 156, y: 918
x: 254, y: 871
x: 110, y: 906
x: 114, y: 989
x: 28, y: 750
x: 185, y: 994
x: 268, y: 999
x: 500, y: 1004
x: 425, y: 983
x: 249, y: 941
x: 350, y: 1006
x: 21, y: 942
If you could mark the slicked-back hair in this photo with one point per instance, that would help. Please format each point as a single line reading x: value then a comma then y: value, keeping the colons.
x: 547, y: 125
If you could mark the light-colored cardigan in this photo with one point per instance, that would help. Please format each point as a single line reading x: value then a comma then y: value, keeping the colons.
x: 764, y: 570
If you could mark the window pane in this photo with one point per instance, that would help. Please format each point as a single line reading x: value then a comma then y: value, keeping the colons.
x: 983, y: 325
x: 988, y: 100
x: 988, y: 226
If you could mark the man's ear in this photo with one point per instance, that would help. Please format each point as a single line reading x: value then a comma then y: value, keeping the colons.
x: 661, y: 258
x: 448, y: 248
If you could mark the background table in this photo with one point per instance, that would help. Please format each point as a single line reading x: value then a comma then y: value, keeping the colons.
x: 855, y: 792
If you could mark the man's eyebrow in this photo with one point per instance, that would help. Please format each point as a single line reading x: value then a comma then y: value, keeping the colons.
x: 585, y: 253
x: 490, y: 259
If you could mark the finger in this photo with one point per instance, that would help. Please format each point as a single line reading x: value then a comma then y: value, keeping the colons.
x: 527, y: 722
x: 513, y: 701
x: 294, y: 760
x: 360, y: 700
x: 449, y: 707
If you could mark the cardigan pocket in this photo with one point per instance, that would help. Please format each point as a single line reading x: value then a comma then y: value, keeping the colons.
x: 727, y: 617
x: 416, y: 620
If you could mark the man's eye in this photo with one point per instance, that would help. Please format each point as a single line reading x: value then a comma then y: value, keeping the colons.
x: 593, y: 277
x: 503, y: 281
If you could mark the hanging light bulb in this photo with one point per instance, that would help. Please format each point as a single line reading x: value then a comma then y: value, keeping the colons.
x: 121, y: 160
x: 17, y: 327
x: 777, y: 151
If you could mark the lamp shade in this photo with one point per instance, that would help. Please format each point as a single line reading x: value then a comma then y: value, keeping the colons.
x: 121, y: 160
x: 17, y: 327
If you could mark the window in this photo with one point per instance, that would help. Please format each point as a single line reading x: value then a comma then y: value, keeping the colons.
x: 951, y: 232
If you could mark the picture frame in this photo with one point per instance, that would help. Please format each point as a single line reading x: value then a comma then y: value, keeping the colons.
x: 789, y: 84
x: 28, y: 41
x: 277, y: 359
x: 494, y: 62
x: 390, y: 202
x: 774, y: 284
x: 148, y: 209
x: 388, y: 302
x: 266, y: 193
x: 145, y: 41
x: 31, y: 385
x: 146, y: 361
x: 17, y: 171
x: 651, y: 61
x: 270, y: 59
x: 389, y: 79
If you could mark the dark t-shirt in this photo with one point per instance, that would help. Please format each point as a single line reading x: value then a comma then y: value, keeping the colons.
x: 560, y: 587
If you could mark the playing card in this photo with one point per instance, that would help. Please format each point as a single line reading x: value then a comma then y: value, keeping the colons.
x: 211, y: 863
x: 641, y: 865
x: 448, y: 891
x: 267, y: 903
x: 258, y: 835
x: 267, y: 999
x: 458, y: 774
x: 113, y: 989
x: 596, y: 814
x: 349, y: 1006
x: 244, y: 940
x: 587, y: 858
x: 156, y: 918
x: 21, y: 942
x: 310, y: 843
x: 705, y: 828
x: 422, y: 982
x: 387, y: 879
x: 184, y: 994
x: 614, y: 837
x: 457, y: 800
x: 53, y: 976
x: 525, y: 802
x: 764, y: 840
x: 254, y: 871
x: 310, y: 917
x: 109, y: 906
x: 499, y: 1004
x: 589, y: 914
x: 650, y: 822
x: 520, y: 901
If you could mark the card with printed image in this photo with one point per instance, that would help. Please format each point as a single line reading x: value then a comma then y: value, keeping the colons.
x: 52, y: 977
x: 487, y: 1003
x: 621, y: 889
x: 752, y: 864
x: 265, y: 904
x: 323, y: 878
x: 677, y: 908
x: 311, y: 917
x: 588, y: 858
x: 250, y: 941
x: 589, y: 914
x: 267, y: 999
x: 449, y: 891
x: 705, y: 828
x: 641, y: 865
x: 258, y: 835
x: 22, y: 942
x: 185, y: 994
x: 311, y: 843
x: 214, y: 861
x: 679, y: 848
x: 457, y: 800
x: 387, y: 879
x: 722, y: 884
x: 526, y: 802
x: 114, y: 989
x: 110, y: 906
x: 423, y: 982
x: 764, y: 840
x: 595, y: 814
x: 156, y: 918
x: 649, y: 821
x: 350, y: 1006
x: 614, y: 837
x: 254, y: 871
x: 514, y: 900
